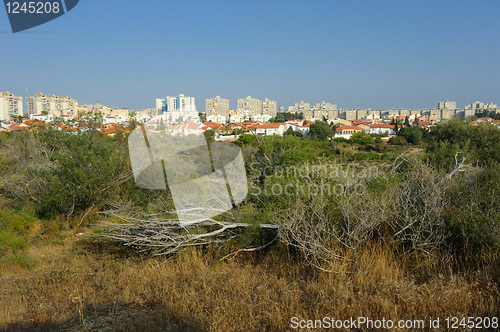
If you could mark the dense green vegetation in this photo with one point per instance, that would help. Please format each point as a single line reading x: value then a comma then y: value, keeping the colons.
x: 416, y: 203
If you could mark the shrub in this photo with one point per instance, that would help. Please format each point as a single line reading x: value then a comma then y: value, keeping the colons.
x: 481, y: 143
x: 246, y: 139
x: 413, y: 135
x: 361, y: 138
x: 397, y: 140
x: 320, y: 131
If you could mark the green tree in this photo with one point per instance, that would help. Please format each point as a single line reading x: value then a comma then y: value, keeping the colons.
x: 361, y: 138
x: 161, y: 125
x: 209, y: 135
x: 413, y: 135
x: 320, y: 131
x: 86, y: 174
x: 407, y: 122
x: 481, y: 143
x: 246, y: 139
x: 203, y: 116
x: 291, y: 132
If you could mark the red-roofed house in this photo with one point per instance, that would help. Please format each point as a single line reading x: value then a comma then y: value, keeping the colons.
x: 109, y: 131
x: 18, y: 126
x: 298, y: 127
x: 347, y: 131
x: 110, y: 125
x: 271, y: 129
x: 237, y: 125
x: 187, y: 128
x: 382, y: 129
x: 214, y: 125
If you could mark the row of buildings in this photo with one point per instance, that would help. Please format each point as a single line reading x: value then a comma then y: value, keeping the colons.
x: 12, y: 106
x: 182, y: 108
x: 216, y: 109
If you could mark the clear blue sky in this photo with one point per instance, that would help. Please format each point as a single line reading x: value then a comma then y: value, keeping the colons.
x: 356, y: 54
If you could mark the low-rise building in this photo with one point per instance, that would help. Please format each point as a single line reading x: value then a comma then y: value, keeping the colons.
x: 271, y: 129
x: 347, y: 131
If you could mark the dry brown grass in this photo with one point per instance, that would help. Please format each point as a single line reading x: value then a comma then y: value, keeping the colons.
x: 94, y: 288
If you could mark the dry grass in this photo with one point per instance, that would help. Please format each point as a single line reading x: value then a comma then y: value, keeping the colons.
x: 95, y: 288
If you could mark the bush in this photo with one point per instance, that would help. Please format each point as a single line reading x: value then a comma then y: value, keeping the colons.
x: 320, y: 131
x: 473, y: 215
x: 361, y: 138
x: 389, y: 156
x: 366, y: 156
x: 246, y: 139
x: 398, y: 140
x: 291, y: 132
x: 86, y: 175
x: 413, y: 135
x: 480, y: 143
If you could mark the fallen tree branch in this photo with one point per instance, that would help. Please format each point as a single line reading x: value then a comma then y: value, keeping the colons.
x: 168, y: 236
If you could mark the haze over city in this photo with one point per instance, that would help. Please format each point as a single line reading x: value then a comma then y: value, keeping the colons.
x: 369, y: 54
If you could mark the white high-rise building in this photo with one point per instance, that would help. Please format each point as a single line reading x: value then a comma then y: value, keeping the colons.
x: 159, y: 105
x: 179, y: 109
x: 10, y: 105
x: 179, y: 104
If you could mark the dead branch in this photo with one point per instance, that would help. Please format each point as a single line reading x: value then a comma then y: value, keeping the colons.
x: 163, y: 236
x: 459, y: 167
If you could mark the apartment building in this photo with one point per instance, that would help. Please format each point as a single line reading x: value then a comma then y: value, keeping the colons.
x: 325, y: 107
x: 180, y: 104
x: 269, y: 107
x: 159, y: 105
x: 435, y: 113
x: 348, y: 115
x: 217, y: 108
x: 10, y: 105
x: 447, y: 114
x: 477, y: 105
x: 449, y: 105
x: 299, y: 107
x: 249, y: 107
x: 51, y: 104
x: 361, y: 114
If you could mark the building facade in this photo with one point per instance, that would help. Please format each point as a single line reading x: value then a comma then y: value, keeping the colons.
x: 10, y: 105
x: 217, y: 108
x: 325, y: 107
x: 180, y: 104
x: 249, y: 107
x: 40, y: 104
x: 448, y: 105
x: 269, y: 107
x: 299, y: 107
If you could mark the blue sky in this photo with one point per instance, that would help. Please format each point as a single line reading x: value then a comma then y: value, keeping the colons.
x: 356, y: 54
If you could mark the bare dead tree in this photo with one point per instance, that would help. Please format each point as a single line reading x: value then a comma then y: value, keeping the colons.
x: 309, y: 228
x: 163, y: 234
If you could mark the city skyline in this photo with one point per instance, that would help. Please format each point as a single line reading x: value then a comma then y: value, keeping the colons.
x: 378, y: 55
